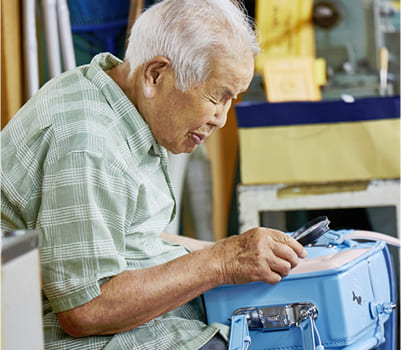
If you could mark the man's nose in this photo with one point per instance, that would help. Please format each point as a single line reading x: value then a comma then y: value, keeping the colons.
x: 220, y: 117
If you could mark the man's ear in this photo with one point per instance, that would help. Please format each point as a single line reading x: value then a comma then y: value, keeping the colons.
x: 156, y: 70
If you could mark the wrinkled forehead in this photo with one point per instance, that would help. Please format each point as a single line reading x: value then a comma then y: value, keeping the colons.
x: 234, y: 73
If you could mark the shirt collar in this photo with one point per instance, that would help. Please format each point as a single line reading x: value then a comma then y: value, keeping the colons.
x: 137, y: 131
x: 138, y: 134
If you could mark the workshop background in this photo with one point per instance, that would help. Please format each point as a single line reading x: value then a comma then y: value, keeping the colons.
x: 329, y: 50
x: 317, y: 133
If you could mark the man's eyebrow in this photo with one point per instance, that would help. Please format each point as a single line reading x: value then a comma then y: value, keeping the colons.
x: 229, y: 92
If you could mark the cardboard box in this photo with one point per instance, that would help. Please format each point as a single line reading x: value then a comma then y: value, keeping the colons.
x: 325, y: 141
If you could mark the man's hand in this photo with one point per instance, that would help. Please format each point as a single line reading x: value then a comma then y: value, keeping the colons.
x: 260, y: 254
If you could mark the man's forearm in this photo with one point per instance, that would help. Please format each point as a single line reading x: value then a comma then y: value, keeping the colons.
x: 135, y: 297
x: 132, y: 298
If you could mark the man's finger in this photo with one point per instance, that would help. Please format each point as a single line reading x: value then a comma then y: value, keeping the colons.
x: 285, y: 252
x: 294, y: 244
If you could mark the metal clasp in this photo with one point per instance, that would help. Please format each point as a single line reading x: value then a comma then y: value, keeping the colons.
x: 304, y: 311
x: 277, y: 317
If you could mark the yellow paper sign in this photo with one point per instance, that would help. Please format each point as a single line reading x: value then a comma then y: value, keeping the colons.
x: 284, y: 29
x: 290, y: 79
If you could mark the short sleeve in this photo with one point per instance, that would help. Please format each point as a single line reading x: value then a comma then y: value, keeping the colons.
x: 83, y: 217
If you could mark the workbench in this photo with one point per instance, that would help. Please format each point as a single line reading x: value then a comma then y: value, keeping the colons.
x: 253, y: 200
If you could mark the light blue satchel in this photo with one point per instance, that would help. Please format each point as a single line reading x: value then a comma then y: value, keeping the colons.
x: 343, y: 296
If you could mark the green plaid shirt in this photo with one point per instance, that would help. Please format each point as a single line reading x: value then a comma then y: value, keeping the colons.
x: 80, y: 164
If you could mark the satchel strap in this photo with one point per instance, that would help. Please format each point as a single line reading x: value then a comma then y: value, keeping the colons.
x: 373, y: 236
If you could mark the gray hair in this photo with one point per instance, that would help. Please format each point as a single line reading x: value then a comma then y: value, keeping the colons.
x: 190, y: 33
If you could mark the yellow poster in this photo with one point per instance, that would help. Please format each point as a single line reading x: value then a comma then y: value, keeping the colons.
x: 284, y: 29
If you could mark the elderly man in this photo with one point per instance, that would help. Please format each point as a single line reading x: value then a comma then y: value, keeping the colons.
x: 85, y: 162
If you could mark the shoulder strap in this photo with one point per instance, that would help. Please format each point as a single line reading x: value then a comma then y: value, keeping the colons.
x: 373, y: 236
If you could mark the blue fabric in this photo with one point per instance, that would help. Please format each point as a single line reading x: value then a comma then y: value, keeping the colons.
x: 250, y: 114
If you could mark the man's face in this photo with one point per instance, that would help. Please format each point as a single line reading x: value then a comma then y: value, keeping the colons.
x: 182, y: 120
